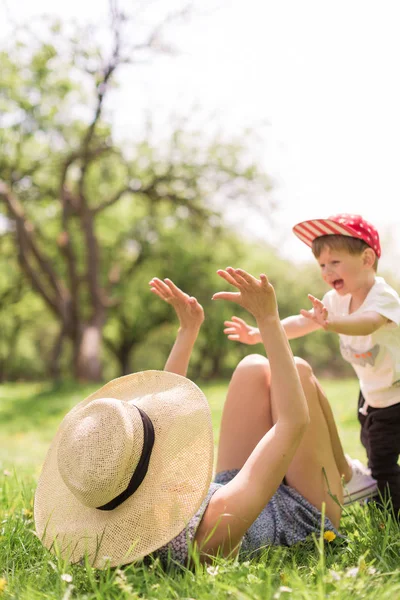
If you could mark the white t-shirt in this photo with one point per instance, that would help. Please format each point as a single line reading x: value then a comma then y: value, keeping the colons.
x: 376, y: 357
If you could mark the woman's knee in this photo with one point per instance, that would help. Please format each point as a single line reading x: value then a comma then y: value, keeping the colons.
x: 303, y: 368
x: 253, y: 364
x: 253, y: 360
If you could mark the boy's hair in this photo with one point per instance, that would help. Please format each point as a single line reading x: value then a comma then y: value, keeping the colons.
x: 340, y: 242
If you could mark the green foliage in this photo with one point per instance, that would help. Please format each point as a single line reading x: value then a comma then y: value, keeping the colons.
x: 86, y: 213
x: 106, y: 216
x: 145, y: 325
x: 365, y: 564
x: 26, y: 328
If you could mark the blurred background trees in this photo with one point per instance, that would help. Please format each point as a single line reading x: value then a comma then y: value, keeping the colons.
x: 88, y: 216
x: 87, y: 219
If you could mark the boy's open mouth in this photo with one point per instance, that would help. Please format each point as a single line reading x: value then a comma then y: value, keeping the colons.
x: 338, y: 284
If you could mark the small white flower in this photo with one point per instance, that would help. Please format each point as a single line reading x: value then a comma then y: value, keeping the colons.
x: 213, y: 571
x: 371, y: 570
x: 251, y: 578
x: 353, y: 572
x: 66, y: 577
x: 335, y: 576
x: 282, y: 590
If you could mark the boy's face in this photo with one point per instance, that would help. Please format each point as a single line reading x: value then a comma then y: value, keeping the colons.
x: 343, y: 271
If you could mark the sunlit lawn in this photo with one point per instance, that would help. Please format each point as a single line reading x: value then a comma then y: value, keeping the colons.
x: 31, y: 412
x: 367, y: 565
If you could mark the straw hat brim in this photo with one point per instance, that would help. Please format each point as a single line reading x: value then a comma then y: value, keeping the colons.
x: 177, y: 481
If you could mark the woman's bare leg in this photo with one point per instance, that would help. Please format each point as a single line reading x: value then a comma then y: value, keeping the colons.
x: 247, y: 412
x: 314, y: 471
x: 340, y: 458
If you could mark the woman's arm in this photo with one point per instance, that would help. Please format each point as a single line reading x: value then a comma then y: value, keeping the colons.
x: 190, y: 315
x: 258, y: 297
x: 235, y: 506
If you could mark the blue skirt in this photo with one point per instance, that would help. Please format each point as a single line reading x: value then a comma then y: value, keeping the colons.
x: 288, y: 518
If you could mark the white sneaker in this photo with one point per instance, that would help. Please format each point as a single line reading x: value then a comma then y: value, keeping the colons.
x: 361, y: 485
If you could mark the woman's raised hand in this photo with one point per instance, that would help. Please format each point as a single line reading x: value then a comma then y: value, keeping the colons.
x: 189, y: 312
x: 255, y: 295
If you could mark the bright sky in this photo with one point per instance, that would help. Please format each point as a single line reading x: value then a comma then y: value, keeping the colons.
x: 319, y: 81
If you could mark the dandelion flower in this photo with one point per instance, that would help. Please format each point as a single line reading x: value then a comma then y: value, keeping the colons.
x: 329, y: 536
x: 3, y: 584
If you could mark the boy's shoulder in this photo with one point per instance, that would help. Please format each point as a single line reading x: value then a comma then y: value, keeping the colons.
x: 383, y: 299
x: 381, y: 287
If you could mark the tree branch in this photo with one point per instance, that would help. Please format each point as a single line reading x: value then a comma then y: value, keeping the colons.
x: 113, y: 200
x: 86, y: 214
x: 25, y: 230
x: 79, y: 205
x: 33, y: 276
x: 102, y: 86
x: 65, y: 245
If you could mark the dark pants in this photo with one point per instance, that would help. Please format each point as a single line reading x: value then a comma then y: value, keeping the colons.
x: 380, y: 435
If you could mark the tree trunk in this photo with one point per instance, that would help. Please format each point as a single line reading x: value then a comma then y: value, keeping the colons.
x: 87, y: 350
x: 54, y: 362
x: 124, y: 361
x: 10, y: 351
x: 215, y: 370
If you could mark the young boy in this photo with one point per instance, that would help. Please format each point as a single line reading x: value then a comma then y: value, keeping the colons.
x: 365, y: 311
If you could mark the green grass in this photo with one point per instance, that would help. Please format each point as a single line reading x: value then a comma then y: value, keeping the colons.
x: 366, y: 566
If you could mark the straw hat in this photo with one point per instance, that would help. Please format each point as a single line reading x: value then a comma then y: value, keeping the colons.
x: 127, y: 469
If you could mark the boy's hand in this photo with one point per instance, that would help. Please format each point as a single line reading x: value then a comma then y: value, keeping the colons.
x: 319, y: 314
x: 255, y: 295
x: 239, y: 331
x: 189, y: 312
